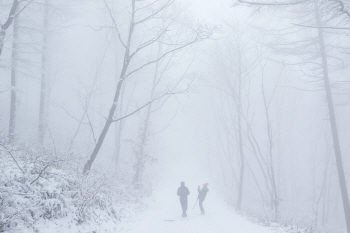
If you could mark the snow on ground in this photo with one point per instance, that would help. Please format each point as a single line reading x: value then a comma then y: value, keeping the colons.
x: 165, y: 216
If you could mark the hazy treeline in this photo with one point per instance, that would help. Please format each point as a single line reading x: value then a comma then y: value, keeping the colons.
x: 74, y: 60
x: 281, y: 74
x: 81, y: 84
x: 89, y: 91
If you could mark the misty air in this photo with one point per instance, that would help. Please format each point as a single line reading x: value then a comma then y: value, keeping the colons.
x: 168, y: 116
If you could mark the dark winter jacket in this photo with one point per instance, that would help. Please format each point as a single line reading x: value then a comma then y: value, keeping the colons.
x: 202, y: 193
x: 183, y: 192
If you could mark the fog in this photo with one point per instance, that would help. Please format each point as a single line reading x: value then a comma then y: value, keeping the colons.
x: 107, y: 106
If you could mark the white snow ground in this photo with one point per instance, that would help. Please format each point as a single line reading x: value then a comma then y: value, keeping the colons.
x: 164, y: 217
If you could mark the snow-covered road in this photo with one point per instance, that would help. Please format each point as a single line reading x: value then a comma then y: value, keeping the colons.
x: 164, y: 217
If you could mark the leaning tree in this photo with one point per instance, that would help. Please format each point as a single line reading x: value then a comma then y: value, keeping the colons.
x: 158, y: 16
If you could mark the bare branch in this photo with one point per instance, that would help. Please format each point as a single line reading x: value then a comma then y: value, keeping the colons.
x: 145, y: 105
x: 10, y: 153
x: 7, y: 24
x: 139, y: 109
x: 144, y: 45
x: 11, y: 16
x: 28, y: 3
x: 65, y: 110
x: 146, y: 6
x: 155, y: 13
x: 41, y: 172
x: 91, y: 127
x: 309, y: 26
x: 198, y: 38
x: 115, y: 24
x: 273, y: 3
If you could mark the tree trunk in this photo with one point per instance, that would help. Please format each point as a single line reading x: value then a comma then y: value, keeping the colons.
x: 7, y: 24
x: 141, y: 157
x: 240, y: 137
x: 141, y: 160
x: 13, y: 107
x: 256, y: 150
x: 274, y: 197
x: 43, y: 87
x: 109, y: 120
x: 118, y: 137
x: 242, y: 165
x: 119, y: 128
x: 108, y: 123
x: 85, y: 113
x: 333, y: 122
x: 118, y: 131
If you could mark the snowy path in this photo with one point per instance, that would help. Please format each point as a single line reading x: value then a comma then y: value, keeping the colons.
x: 165, y: 218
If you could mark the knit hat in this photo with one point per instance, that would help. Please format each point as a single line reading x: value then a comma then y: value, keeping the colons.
x: 205, y: 185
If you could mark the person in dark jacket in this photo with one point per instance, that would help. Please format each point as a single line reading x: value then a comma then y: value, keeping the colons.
x: 183, y: 192
x: 202, y: 193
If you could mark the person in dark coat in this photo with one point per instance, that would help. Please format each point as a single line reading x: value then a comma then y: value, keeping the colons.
x: 183, y: 192
x: 202, y: 193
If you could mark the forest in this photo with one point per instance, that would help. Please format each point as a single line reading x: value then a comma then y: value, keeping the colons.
x: 107, y: 107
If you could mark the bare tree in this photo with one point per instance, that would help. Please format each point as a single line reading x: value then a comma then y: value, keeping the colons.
x: 161, y: 69
x: 140, y: 154
x: 234, y: 67
x: 137, y: 19
x: 119, y: 126
x: 270, y: 161
x: 14, y: 60
x: 333, y: 121
x: 319, y: 25
x: 43, y: 82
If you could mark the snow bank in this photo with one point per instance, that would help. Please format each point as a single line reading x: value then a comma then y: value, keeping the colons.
x: 45, y: 195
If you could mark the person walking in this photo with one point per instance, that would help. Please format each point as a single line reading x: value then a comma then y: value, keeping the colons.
x: 183, y: 192
x: 202, y: 193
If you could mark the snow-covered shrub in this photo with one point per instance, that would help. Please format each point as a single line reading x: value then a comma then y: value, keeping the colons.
x: 32, y: 194
x: 36, y: 187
